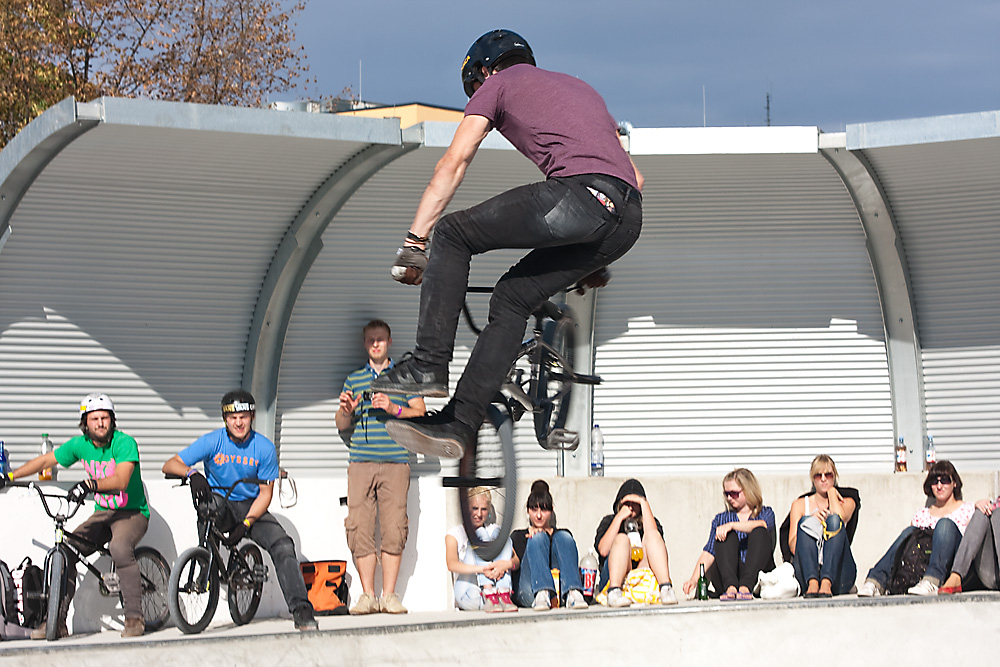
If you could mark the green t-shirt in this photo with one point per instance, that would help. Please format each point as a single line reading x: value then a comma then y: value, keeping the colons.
x: 100, y: 462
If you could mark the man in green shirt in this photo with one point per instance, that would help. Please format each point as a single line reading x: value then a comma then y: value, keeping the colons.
x: 111, y: 460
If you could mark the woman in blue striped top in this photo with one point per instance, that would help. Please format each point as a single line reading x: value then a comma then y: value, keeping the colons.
x: 741, y: 541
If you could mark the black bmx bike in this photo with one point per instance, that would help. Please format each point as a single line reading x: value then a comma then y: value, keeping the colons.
x: 540, y: 382
x: 153, y: 568
x: 193, y: 590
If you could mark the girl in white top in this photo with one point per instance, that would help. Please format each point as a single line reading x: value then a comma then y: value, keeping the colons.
x: 479, y: 584
x: 947, y: 515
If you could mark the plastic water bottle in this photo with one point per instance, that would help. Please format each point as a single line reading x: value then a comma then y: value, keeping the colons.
x: 588, y: 573
x: 931, y: 455
x: 4, y: 459
x: 46, y: 474
x: 597, y: 452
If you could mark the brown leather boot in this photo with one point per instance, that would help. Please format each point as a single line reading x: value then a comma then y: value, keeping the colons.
x: 134, y: 627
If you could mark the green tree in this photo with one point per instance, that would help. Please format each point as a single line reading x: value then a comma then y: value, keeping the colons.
x: 235, y: 52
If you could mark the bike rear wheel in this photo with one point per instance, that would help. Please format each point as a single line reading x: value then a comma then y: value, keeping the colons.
x: 245, y: 584
x: 490, y: 464
x: 193, y: 591
x: 154, y: 575
x: 57, y: 588
x: 551, y: 395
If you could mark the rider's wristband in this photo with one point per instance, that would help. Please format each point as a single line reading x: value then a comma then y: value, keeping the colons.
x: 190, y: 472
x: 246, y: 522
x: 410, y: 236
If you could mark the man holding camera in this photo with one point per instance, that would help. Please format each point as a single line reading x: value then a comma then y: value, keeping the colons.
x: 378, y: 473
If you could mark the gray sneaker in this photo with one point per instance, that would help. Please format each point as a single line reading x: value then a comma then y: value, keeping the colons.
x: 543, y: 602
x: 667, y: 595
x: 617, y: 599
x: 390, y: 604
x: 366, y: 604
x: 870, y: 589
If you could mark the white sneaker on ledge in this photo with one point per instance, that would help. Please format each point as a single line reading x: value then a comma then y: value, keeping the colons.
x: 543, y: 602
x: 924, y: 587
x: 870, y: 589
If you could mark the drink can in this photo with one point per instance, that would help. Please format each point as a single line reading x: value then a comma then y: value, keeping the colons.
x: 555, y: 580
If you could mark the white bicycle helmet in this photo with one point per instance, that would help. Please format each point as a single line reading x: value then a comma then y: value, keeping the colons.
x: 96, y: 401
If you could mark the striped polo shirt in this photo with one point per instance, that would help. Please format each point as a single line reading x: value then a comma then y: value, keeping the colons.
x: 370, y: 441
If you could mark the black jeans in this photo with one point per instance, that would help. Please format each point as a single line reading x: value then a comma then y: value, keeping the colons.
x: 571, y: 234
x: 268, y: 533
x: 728, y: 570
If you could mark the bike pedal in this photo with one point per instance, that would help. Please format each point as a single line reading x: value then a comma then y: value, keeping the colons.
x: 111, y: 583
x: 563, y: 440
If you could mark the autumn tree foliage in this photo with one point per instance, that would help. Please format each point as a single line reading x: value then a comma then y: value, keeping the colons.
x: 234, y: 52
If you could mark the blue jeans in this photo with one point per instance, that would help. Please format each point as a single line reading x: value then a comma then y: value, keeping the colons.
x: 944, y: 544
x: 536, y: 566
x: 469, y: 594
x: 571, y: 235
x: 838, y: 562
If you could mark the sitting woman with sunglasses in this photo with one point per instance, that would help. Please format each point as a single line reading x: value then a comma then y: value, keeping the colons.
x: 740, y: 542
x: 820, y: 546
x: 946, y: 515
x: 479, y: 584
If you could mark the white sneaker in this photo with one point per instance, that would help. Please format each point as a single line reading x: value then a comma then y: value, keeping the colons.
x: 870, y: 589
x: 924, y: 587
x: 542, y: 601
x: 667, y: 595
x: 574, y: 600
x: 617, y: 599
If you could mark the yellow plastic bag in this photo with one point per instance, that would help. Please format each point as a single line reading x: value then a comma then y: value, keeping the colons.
x: 640, y: 587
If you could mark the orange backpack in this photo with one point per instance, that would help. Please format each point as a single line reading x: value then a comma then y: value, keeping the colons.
x: 326, y: 586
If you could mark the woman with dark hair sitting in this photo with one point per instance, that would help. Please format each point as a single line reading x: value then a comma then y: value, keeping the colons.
x: 740, y: 542
x: 820, y: 544
x: 537, y: 550
x: 615, y: 548
x: 946, y: 515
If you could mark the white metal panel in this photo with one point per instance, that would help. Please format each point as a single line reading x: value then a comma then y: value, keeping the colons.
x: 744, y: 328
x: 133, y: 267
x: 349, y: 284
x: 946, y: 200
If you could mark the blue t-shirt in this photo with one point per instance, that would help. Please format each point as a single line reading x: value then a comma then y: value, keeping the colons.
x: 226, y: 461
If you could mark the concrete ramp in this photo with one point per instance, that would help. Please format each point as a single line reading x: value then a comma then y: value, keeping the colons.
x: 847, y: 630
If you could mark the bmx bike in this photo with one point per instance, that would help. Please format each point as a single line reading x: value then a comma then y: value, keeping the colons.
x: 540, y: 382
x: 153, y: 568
x: 193, y: 589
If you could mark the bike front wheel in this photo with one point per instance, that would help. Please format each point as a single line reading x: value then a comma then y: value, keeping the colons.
x: 154, y: 576
x: 551, y: 395
x: 193, y: 591
x: 489, y: 466
x: 57, y: 588
x: 246, y: 584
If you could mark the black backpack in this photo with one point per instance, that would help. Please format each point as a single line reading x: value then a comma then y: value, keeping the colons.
x: 911, y: 561
x: 31, y: 584
x: 8, y: 595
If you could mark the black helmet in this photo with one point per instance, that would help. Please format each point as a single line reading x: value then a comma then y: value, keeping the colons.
x: 237, y: 401
x: 487, y: 51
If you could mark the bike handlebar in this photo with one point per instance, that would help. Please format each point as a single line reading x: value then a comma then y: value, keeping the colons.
x: 72, y: 505
x: 228, y: 489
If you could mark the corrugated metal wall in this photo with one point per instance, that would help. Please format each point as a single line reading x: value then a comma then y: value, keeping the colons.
x: 946, y: 201
x: 147, y: 291
x: 744, y: 328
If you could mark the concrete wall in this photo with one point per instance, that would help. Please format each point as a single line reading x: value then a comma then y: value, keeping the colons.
x: 684, y: 505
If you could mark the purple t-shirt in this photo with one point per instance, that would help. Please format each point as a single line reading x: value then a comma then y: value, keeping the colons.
x: 555, y: 120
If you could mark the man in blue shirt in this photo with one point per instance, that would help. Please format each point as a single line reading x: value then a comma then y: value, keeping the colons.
x: 237, y: 452
x: 378, y: 475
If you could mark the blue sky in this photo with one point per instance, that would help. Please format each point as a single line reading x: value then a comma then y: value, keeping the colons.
x: 825, y: 64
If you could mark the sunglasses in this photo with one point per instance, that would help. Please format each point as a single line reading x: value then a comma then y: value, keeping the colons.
x: 732, y: 494
x: 941, y: 479
x: 823, y: 475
